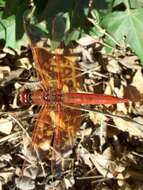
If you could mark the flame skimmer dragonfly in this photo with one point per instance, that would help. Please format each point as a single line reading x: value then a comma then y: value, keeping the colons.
x: 58, y: 121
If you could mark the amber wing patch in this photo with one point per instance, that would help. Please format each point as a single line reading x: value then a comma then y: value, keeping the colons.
x: 57, y: 124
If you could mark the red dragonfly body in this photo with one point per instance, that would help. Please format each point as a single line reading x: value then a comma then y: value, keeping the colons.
x: 50, y: 96
x: 58, y: 121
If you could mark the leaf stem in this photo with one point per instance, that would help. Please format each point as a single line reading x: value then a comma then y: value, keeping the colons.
x: 127, y: 4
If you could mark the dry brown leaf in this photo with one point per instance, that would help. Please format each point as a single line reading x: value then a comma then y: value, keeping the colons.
x: 12, y: 75
x: 85, y: 131
x: 85, y: 155
x: 130, y: 62
x: 134, y: 91
x: 97, y: 118
x: 5, y: 157
x: 56, y: 185
x: 102, y: 162
x: 31, y: 171
x: 4, y: 71
x: 7, y: 174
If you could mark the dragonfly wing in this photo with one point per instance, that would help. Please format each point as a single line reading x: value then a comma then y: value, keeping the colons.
x: 67, y: 122
x: 54, y: 135
x: 43, y: 134
x: 42, y: 58
x: 56, y: 70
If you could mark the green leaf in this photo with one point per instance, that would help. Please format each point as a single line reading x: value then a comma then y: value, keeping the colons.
x: 60, y: 25
x: 101, y: 5
x: 50, y: 8
x: 8, y: 33
x: 133, y: 3
x: 13, y: 6
x: 17, y: 9
x: 11, y: 23
x: 136, y: 3
x: 95, y: 33
x: 2, y: 3
x: 126, y: 24
x: 72, y: 36
x: 118, y: 2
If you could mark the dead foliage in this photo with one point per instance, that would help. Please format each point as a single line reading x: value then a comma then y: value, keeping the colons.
x: 108, y: 149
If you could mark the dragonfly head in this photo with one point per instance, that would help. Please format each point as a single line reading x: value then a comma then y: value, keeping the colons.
x: 25, y: 97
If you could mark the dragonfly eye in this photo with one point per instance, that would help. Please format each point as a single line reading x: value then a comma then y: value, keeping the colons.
x: 25, y: 97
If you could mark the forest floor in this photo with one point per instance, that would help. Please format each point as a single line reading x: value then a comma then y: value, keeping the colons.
x: 108, y: 146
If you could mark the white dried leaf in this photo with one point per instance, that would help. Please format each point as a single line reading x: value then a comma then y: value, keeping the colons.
x: 4, y: 71
x: 17, y: 85
x: 56, y: 185
x: 108, y: 152
x: 30, y: 171
x: 1, y: 188
x: 18, y: 171
x: 122, y: 176
x: 99, y: 161
x: 130, y: 62
x: 138, y: 81
x: 6, y: 157
x: 11, y: 137
x: 9, y: 51
x: 6, y: 126
x: 2, y: 55
x: 133, y: 128
x: 7, y: 174
x: 139, y: 120
x: 69, y: 182
x: 113, y: 66
x: 24, y: 63
x: 121, y: 107
x: 2, y: 165
x: 103, y: 162
x: 85, y: 131
x: 14, y: 74
x: 110, y: 85
x: 102, y: 133
x: 87, y: 40
x: 85, y: 155
x: 25, y: 183
x: 26, y: 142
x: 119, y: 92
x: 31, y: 157
x: 97, y: 118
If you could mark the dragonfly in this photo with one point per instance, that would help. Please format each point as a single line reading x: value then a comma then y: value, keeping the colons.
x: 61, y: 98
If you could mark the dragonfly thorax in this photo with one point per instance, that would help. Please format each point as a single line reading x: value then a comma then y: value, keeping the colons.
x: 52, y: 95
